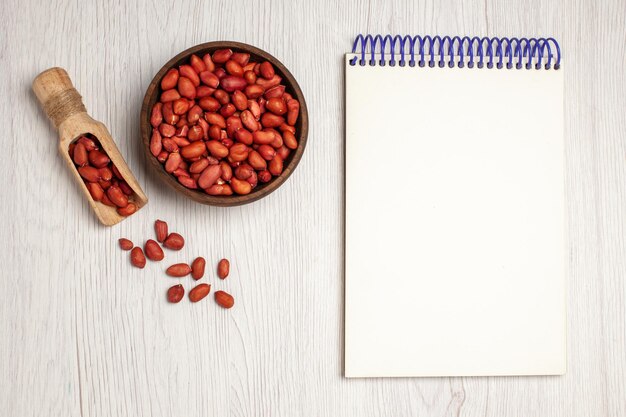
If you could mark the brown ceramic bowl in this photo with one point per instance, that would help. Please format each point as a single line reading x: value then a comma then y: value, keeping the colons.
x: 261, y: 190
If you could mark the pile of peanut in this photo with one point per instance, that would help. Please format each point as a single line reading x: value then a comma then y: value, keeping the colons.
x: 223, y: 123
x: 174, y: 241
x: 101, y: 176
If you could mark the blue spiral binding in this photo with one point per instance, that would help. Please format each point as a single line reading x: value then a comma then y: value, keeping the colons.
x: 507, y: 53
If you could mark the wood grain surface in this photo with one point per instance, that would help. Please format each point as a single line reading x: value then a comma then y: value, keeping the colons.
x: 84, y: 334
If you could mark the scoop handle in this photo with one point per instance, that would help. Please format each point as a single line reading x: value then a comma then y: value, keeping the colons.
x: 57, y: 95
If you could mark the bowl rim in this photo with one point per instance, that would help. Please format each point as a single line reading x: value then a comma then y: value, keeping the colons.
x: 199, y: 196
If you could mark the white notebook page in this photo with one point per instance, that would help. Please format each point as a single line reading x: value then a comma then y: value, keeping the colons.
x: 454, y: 222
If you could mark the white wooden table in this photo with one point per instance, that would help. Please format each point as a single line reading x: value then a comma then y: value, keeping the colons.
x: 83, y: 333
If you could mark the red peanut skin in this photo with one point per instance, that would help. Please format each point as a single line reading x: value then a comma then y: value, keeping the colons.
x: 209, y: 176
x: 188, y: 182
x: 199, y: 292
x: 223, y: 268
x: 153, y: 251
x: 224, y: 299
x: 79, y: 154
x: 127, y: 210
x: 197, y: 63
x: 160, y: 229
x: 116, y: 196
x: 137, y: 257
x: 175, y: 293
x: 197, y: 268
x: 95, y: 190
x: 188, y: 72
x: 170, y: 79
x: 174, y: 241
x: 125, y: 244
x: 293, y: 107
x: 178, y: 270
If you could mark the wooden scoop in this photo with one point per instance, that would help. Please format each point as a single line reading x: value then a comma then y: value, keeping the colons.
x: 65, y: 108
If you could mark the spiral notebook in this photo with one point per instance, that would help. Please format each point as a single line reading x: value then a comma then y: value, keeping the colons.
x: 454, y: 256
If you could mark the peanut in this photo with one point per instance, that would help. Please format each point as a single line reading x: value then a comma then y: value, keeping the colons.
x: 186, y: 88
x: 169, y: 116
x: 169, y: 145
x: 249, y: 121
x: 198, y: 292
x: 244, y: 136
x: 188, y: 72
x: 127, y: 210
x: 89, y: 173
x: 240, y: 100
x: 271, y: 120
x: 241, y: 58
x: 243, y: 172
x: 194, y: 114
x: 170, y: 79
x: 169, y: 95
x: 266, y: 152
x: 231, y: 83
x: 269, y: 83
x: 240, y: 187
x: 166, y: 130
x: 222, y: 55
x: 238, y: 152
x: 193, y: 150
x: 256, y: 160
x: 293, y: 107
x: 250, y: 77
x: 199, y: 166
x: 156, y: 143
x: 95, y: 190
x: 137, y: 257
x: 180, y: 106
x: 197, y: 64
x: 233, y: 68
x: 153, y: 251
x: 227, y: 171
x: 187, y: 182
x: 209, y: 79
x: 156, y: 116
x: 267, y: 70
x: 263, y: 137
x: 116, y: 196
x: 254, y: 91
x: 123, y: 185
x: 125, y: 244
x: 197, y: 268
x: 172, y: 162
x: 204, y: 91
x: 276, y: 166
x: 228, y: 110
x: 210, y: 65
x: 276, y: 106
x: 80, y: 155
x: 178, y: 270
x: 209, y: 176
x: 174, y: 241
x: 224, y: 299
x: 175, y: 293
x: 160, y: 228
x: 98, y: 159
x: 264, y: 176
x: 274, y: 92
x: 289, y: 139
